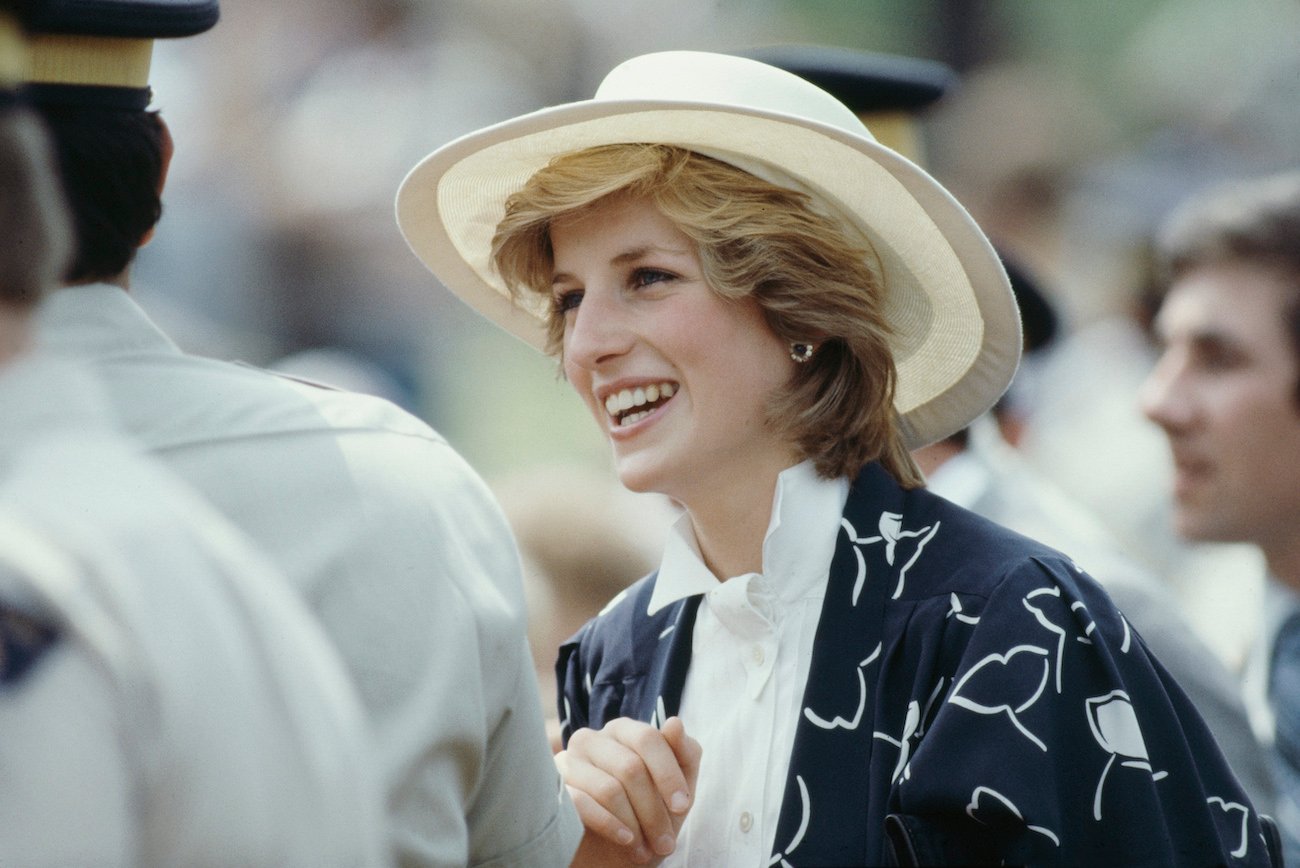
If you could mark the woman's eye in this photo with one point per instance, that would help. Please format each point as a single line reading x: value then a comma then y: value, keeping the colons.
x: 646, y: 276
x: 567, y: 301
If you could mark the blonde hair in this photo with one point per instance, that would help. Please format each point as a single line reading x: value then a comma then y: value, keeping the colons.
x: 756, y: 240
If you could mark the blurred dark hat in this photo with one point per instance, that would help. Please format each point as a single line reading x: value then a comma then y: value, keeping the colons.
x: 97, y: 52
x: 865, y: 81
x: 887, y: 91
x: 1038, y: 320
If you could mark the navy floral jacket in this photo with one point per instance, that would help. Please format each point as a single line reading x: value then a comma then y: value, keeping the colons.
x: 973, y: 698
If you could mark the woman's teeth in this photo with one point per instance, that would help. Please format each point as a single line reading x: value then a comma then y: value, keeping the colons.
x: 620, y: 403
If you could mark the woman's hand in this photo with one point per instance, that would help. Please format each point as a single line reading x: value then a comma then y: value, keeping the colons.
x: 632, y: 785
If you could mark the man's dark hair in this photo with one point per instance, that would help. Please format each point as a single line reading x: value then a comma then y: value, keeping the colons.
x: 1252, y: 223
x: 110, y: 162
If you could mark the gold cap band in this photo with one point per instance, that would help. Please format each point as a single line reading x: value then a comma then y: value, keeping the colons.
x: 13, y: 53
x: 93, y: 60
x: 897, y: 131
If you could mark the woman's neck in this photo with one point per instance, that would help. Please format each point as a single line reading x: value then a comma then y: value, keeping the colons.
x: 731, y: 524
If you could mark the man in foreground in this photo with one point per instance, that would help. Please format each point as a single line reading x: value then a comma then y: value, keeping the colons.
x: 165, y: 699
x: 394, y: 542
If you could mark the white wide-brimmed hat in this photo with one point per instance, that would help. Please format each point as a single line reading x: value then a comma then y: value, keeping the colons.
x: 956, y: 328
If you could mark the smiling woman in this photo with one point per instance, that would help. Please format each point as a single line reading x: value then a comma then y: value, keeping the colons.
x: 764, y: 309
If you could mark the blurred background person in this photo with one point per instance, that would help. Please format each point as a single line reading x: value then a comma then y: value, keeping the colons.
x: 1226, y: 393
x: 391, y: 538
x: 1072, y: 171
x: 165, y: 698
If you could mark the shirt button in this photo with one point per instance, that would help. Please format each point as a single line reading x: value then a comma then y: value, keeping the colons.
x: 746, y: 821
x: 757, y: 655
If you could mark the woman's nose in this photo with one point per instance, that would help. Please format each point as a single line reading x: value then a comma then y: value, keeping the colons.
x: 597, y: 332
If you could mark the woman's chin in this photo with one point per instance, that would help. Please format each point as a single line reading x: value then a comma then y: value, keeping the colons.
x: 641, y: 476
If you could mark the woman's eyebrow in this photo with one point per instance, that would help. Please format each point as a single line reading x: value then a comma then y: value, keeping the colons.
x: 641, y: 252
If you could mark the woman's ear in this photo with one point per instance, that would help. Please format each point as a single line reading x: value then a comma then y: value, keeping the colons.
x: 166, y: 148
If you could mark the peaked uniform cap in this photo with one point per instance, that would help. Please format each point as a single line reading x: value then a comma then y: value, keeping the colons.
x: 128, y: 19
x: 98, y: 52
x: 956, y: 337
x: 865, y: 81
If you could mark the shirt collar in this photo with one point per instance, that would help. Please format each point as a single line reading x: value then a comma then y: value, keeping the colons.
x: 1279, y: 603
x: 94, y: 321
x: 797, y: 549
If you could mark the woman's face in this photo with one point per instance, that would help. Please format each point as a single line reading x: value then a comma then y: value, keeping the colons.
x: 678, y: 377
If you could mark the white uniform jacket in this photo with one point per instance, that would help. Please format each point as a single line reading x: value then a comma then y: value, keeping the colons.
x: 165, y: 698
x: 394, y: 542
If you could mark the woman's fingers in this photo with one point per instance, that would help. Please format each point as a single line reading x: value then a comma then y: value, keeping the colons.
x: 601, y: 801
x: 630, y: 779
x: 656, y: 751
x: 615, y: 767
x: 688, y: 753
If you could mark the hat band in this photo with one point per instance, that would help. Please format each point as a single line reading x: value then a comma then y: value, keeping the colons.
x: 13, y: 51
x: 56, y: 58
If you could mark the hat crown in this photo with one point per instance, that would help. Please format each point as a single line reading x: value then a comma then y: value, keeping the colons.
x: 698, y: 77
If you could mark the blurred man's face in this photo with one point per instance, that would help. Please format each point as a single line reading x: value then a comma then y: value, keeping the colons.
x: 1224, y: 393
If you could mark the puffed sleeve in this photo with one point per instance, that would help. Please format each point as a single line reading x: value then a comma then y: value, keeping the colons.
x: 1056, y: 738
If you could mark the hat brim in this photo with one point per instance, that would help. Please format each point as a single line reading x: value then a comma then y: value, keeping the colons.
x: 956, y: 328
